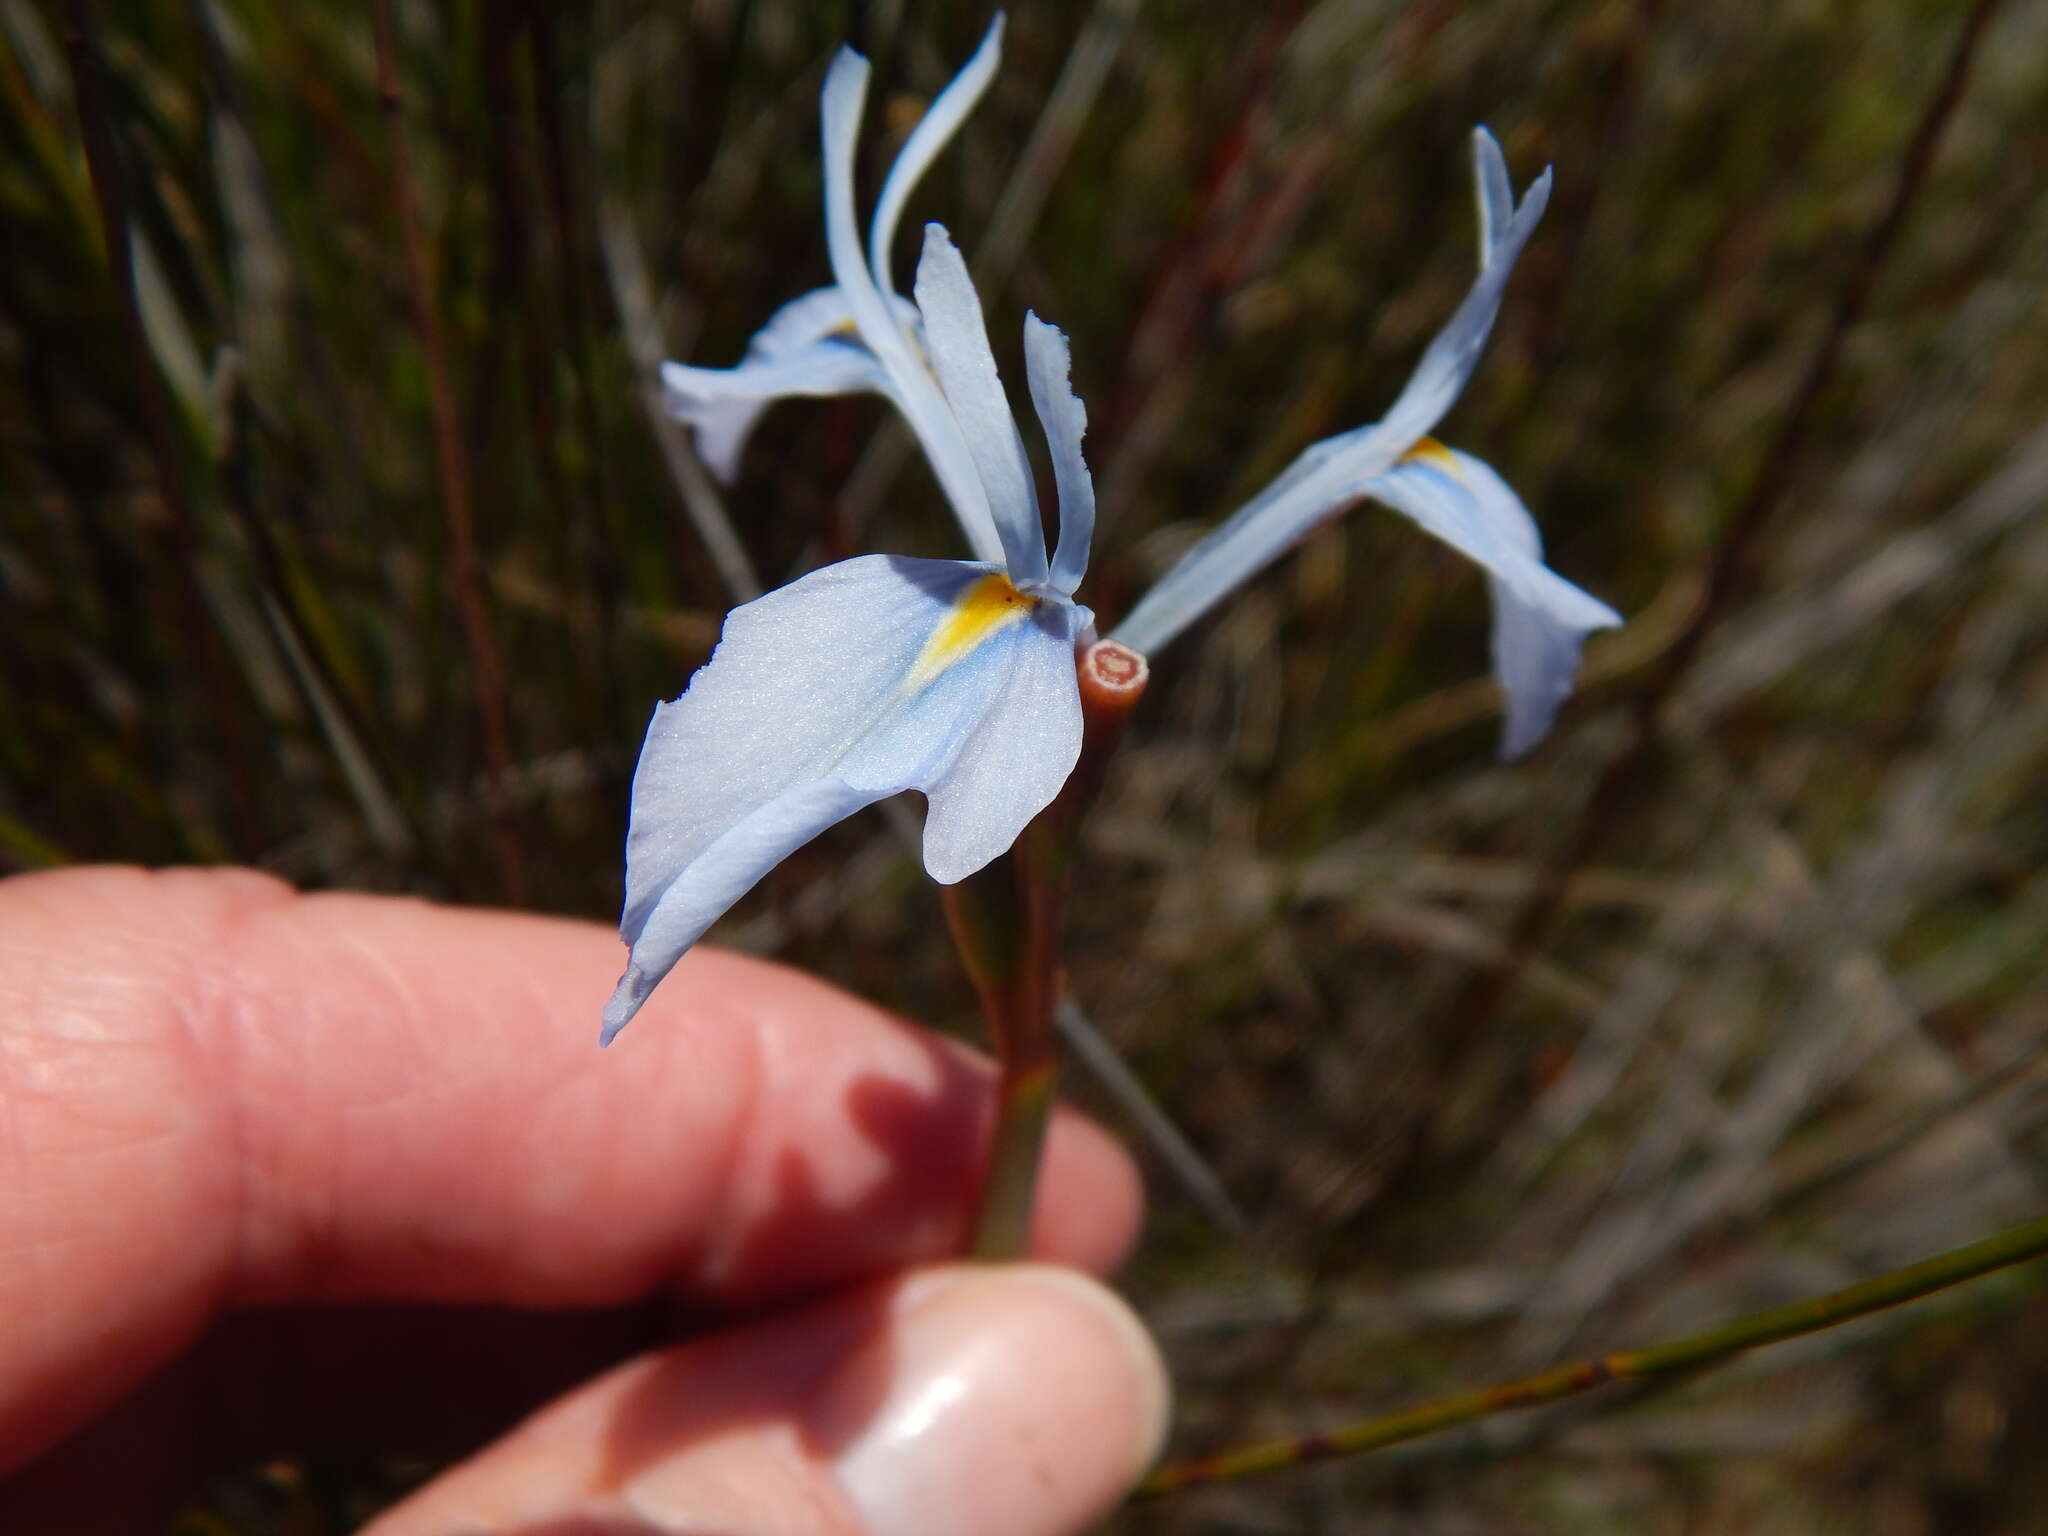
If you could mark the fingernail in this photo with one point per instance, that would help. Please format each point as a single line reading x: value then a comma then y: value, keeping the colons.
x: 1021, y: 1400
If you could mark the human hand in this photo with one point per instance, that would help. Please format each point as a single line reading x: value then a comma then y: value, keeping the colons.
x: 284, y: 1173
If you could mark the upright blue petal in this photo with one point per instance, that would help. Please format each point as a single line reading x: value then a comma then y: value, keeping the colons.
x: 1047, y: 365
x: 957, y: 340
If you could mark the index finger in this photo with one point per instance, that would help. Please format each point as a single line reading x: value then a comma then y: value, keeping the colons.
x: 216, y: 1092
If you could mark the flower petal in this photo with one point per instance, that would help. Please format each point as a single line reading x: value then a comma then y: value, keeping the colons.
x: 860, y: 680
x: 1462, y: 501
x: 1047, y: 365
x: 1015, y: 762
x: 942, y: 119
x: 807, y: 318
x: 722, y: 405
x: 916, y: 392
x: 1540, y: 620
x: 726, y: 870
x: 810, y: 346
x: 957, y: 341
x: 1536, y: 662
x: 1329, y: 475
x: 798, y: 676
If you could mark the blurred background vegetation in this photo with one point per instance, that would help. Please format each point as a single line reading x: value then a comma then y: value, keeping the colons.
x: 356, y: 551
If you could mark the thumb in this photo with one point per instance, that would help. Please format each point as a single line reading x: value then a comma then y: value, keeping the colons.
x: 1017, y: 1400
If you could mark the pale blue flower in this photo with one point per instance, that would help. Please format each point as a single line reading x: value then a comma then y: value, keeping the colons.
x: 1540, y: 620
x: 956, y: 678
x: 883, y: 673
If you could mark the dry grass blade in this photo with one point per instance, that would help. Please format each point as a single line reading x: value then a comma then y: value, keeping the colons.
x: 451, y: 460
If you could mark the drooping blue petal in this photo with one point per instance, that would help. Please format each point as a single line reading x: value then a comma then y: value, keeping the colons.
x: 1540, y: 620
x: 942, y: 119
x: 858, y: 681
x: 703, y: 890
x: 810, y: 317
x: 1047, y: 365
x: 808, y: 347
x: 1331, y: 474
x: 916, y: 391
x: 722, y: 405
x: 1536, y: 663
x: 957, y: 340
x: 798, y: 676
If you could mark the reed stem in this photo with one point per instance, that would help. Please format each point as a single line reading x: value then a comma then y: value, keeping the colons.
x: 1715, y: 1346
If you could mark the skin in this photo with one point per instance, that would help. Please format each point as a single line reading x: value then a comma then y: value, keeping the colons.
x: 284, y: 1173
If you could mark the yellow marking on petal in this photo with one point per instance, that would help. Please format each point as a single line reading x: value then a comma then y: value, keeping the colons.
x: 989, y: 604
x: 1433, y: 453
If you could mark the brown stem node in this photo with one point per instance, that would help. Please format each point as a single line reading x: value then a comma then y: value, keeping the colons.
x: 1113, y: 676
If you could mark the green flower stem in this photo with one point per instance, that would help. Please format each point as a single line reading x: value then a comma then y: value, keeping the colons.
x: 2014, y: 1246
x: 988, y: 915
x: 1002, y: 1229
x: 1005, y: 921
